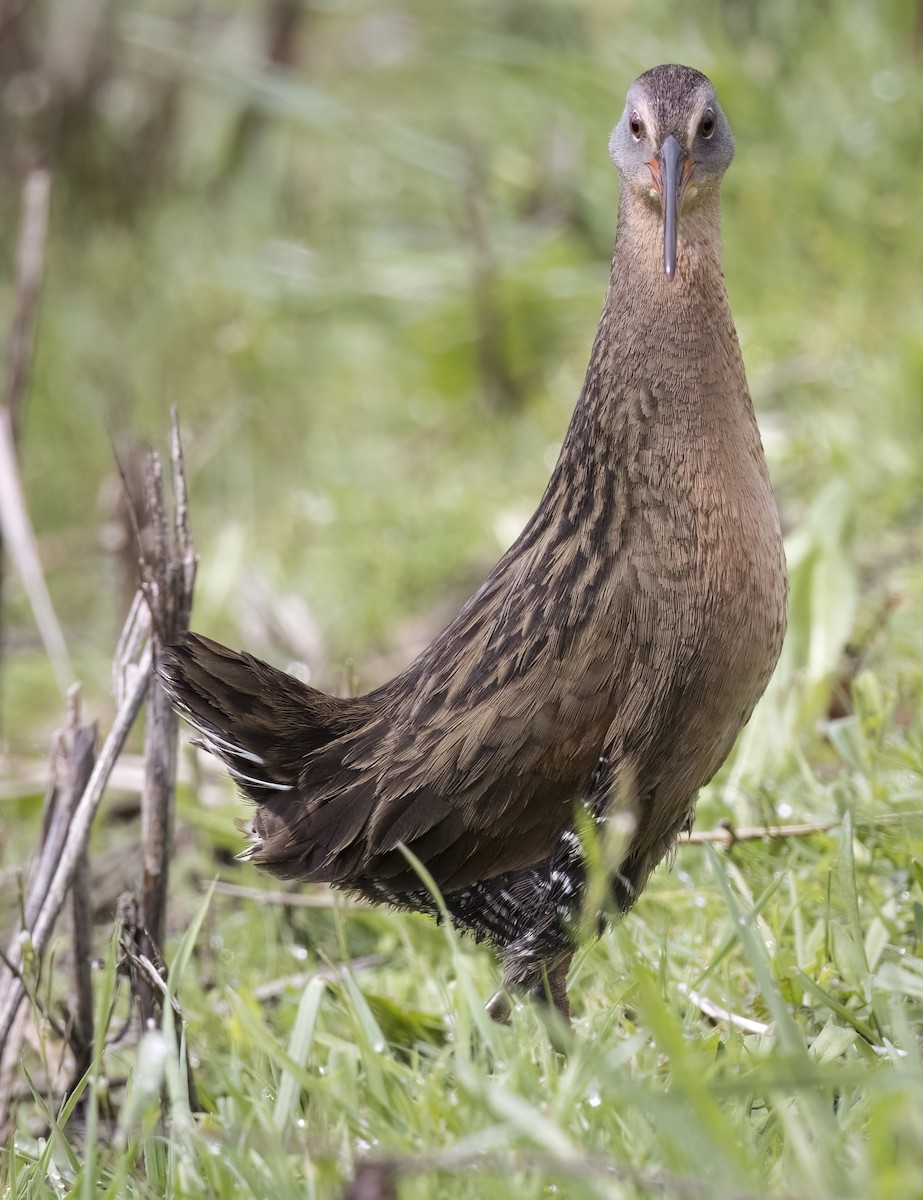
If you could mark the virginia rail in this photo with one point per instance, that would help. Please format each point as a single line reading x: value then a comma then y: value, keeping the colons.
x: 612, y: 655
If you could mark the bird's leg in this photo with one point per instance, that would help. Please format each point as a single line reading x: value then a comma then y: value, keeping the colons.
x: 551, y: 989
x: 545, y: 983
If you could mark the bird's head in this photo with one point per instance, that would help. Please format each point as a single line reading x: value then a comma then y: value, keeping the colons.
x: 672, y: 145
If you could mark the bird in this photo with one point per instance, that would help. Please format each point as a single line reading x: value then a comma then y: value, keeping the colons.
x: 605, y: 667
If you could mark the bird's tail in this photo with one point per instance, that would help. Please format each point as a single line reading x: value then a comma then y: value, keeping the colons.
x: 261, y: 722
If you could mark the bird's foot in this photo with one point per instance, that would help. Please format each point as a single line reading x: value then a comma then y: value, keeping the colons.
x: 500, y: 1007
x: 548, y: 990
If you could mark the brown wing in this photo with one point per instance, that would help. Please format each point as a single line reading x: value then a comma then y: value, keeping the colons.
x: 475, y: 755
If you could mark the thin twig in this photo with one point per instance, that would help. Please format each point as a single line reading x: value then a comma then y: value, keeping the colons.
x: 135, y: 633
x: 182, y: 525
x: 716, y: 1013
x: 147, y: 973
x: 727, y: 835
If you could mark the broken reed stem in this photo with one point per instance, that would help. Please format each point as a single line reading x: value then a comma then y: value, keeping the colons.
x: 81, y: 754
x: 168, y: 573
x: 157, y: 805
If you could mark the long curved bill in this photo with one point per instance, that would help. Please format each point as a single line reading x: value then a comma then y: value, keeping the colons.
x: 671, y: 169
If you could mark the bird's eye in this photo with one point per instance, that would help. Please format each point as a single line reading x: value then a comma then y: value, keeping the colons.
x: 707, y: 127
x: 636, y: 125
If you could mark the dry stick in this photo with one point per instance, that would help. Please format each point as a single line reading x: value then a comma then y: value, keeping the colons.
x: 169, y: 577
x: 159, y: 751
x: 728, y: 836
x: 72, y: 762
x: 60, y: 800
x: 56, y: 810
x: 12, y: 995
x: 139, y: 967
x: 136, y: 632
x: 716, y: 1013
x: 81, y: 754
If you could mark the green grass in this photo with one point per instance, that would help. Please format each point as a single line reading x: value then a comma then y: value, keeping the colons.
x: 312, y: 312
x: 817, y: 937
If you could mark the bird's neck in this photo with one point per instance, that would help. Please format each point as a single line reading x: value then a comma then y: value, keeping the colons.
x: 673, y: 340
x: 666, y: 368
x: 638, y: 284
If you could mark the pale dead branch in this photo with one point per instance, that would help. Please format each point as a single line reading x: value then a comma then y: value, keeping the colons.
x: 18, y: 536
x: 30, y: 265
x: 15, y: 527
x: 715, y: 1012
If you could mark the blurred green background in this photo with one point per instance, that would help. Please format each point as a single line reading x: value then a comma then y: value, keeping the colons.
x: 363, y: 247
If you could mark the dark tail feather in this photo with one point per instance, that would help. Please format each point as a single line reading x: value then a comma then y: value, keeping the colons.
x: 261, y: 722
